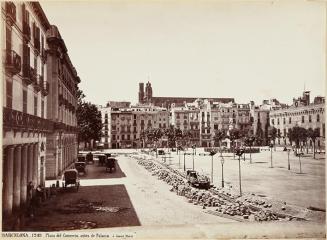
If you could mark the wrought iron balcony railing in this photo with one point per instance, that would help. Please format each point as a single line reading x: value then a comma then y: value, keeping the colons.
x: 13, y: 62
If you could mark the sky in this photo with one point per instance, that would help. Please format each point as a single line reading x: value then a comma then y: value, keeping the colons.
x: 249, y: 50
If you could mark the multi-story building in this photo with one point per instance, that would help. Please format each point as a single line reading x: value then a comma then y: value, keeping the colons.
x: 122, y: 126
x: 30, y: 102
x: 260, y: 118
x: 62, y: 104
x: 302, y: 113
x: 187, y: 118
x: 204, y: 118
x: 25, y: 90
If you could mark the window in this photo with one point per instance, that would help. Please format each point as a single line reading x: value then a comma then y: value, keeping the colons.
x: 215, y: 126
x: 128, y: 137
x: 122, y: 137
x: 42, y: 108
x: 284, y: 132
x: 35, y: 64
x: 113, y: 137
x: 289, y: 120
x: 302, y: 119
x: 177, y: 116
x: 323, y: 130
x: 310, y: 118
x: 273, y: 121
x: 277, y: 121
x: 35, y: 105
x: 9, y: 94
x: 24, y: 100
x: 318, y: 118
x: 284, y: 120
x: 185, y: 116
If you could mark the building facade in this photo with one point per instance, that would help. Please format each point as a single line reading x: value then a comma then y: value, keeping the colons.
x: 302, y: 113
x: 123, y: 126
x: 62, y: 143
x: 203, y: 118
x: 25, y: 93
x: 28, y: 90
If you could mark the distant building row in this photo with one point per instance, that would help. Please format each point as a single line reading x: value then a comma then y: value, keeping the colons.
x: 123, y: 123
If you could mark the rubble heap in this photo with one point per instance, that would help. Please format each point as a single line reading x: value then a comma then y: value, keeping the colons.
x: 224, y: 204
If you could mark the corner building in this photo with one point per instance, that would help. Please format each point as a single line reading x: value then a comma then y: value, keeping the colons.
x: 29, y: 90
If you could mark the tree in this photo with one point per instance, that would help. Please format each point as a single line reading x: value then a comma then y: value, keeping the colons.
x: 234, y: 134
x: 88, y: 119
x: 219, y: 136
x: 313, y: 135
x: 186, y: 136
x: 249, y: 140
x: 272, y: 133
x: 298, y: 135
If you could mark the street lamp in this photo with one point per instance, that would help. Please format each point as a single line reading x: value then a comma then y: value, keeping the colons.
x: 212, y: 153
x: 184, y: 159
x: 271, y: 147
x: 222, y: 169
x: 288, y: 159
x: 193, y: 148
x: 239, y: 153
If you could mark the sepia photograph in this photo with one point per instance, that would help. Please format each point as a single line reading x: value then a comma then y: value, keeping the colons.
x: 163, y: 119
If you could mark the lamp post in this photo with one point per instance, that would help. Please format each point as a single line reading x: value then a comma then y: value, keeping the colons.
x: 288, y: 159
x: 222, y: 169
x: 193, y: 148
x: 184, y: 159
x: 271, y: 147
x: 212, y: 153
x: 239, y: 153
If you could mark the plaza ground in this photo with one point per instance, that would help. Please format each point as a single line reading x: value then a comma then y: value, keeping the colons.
x: 140, y: 205
x: 278, y: 183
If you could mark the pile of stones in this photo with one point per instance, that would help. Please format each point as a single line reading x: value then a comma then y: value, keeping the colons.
x: 223, y: 203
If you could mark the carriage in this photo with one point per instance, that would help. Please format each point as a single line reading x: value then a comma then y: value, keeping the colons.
x: 80, y: 167
x: 110, y: 164
x: 81, y: 158
x: 102, y: 159
x: 70, y: 177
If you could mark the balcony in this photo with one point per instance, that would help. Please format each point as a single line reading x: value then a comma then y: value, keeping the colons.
x: 44, y: 86
x: 17, y: 120
x: 13, y: 62
x: 37, y: 44
x: 38, y: 83
x: 11, y: 12
x: 27, y: 31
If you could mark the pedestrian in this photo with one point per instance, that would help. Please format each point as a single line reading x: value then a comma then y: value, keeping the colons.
x: 30, y: 204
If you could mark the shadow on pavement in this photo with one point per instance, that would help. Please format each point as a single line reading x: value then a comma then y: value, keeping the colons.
x: 95, y: 171
x: 90, y: 207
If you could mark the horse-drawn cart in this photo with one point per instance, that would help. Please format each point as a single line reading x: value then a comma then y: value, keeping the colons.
x: 70, y: 177
x: 110, y: 164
